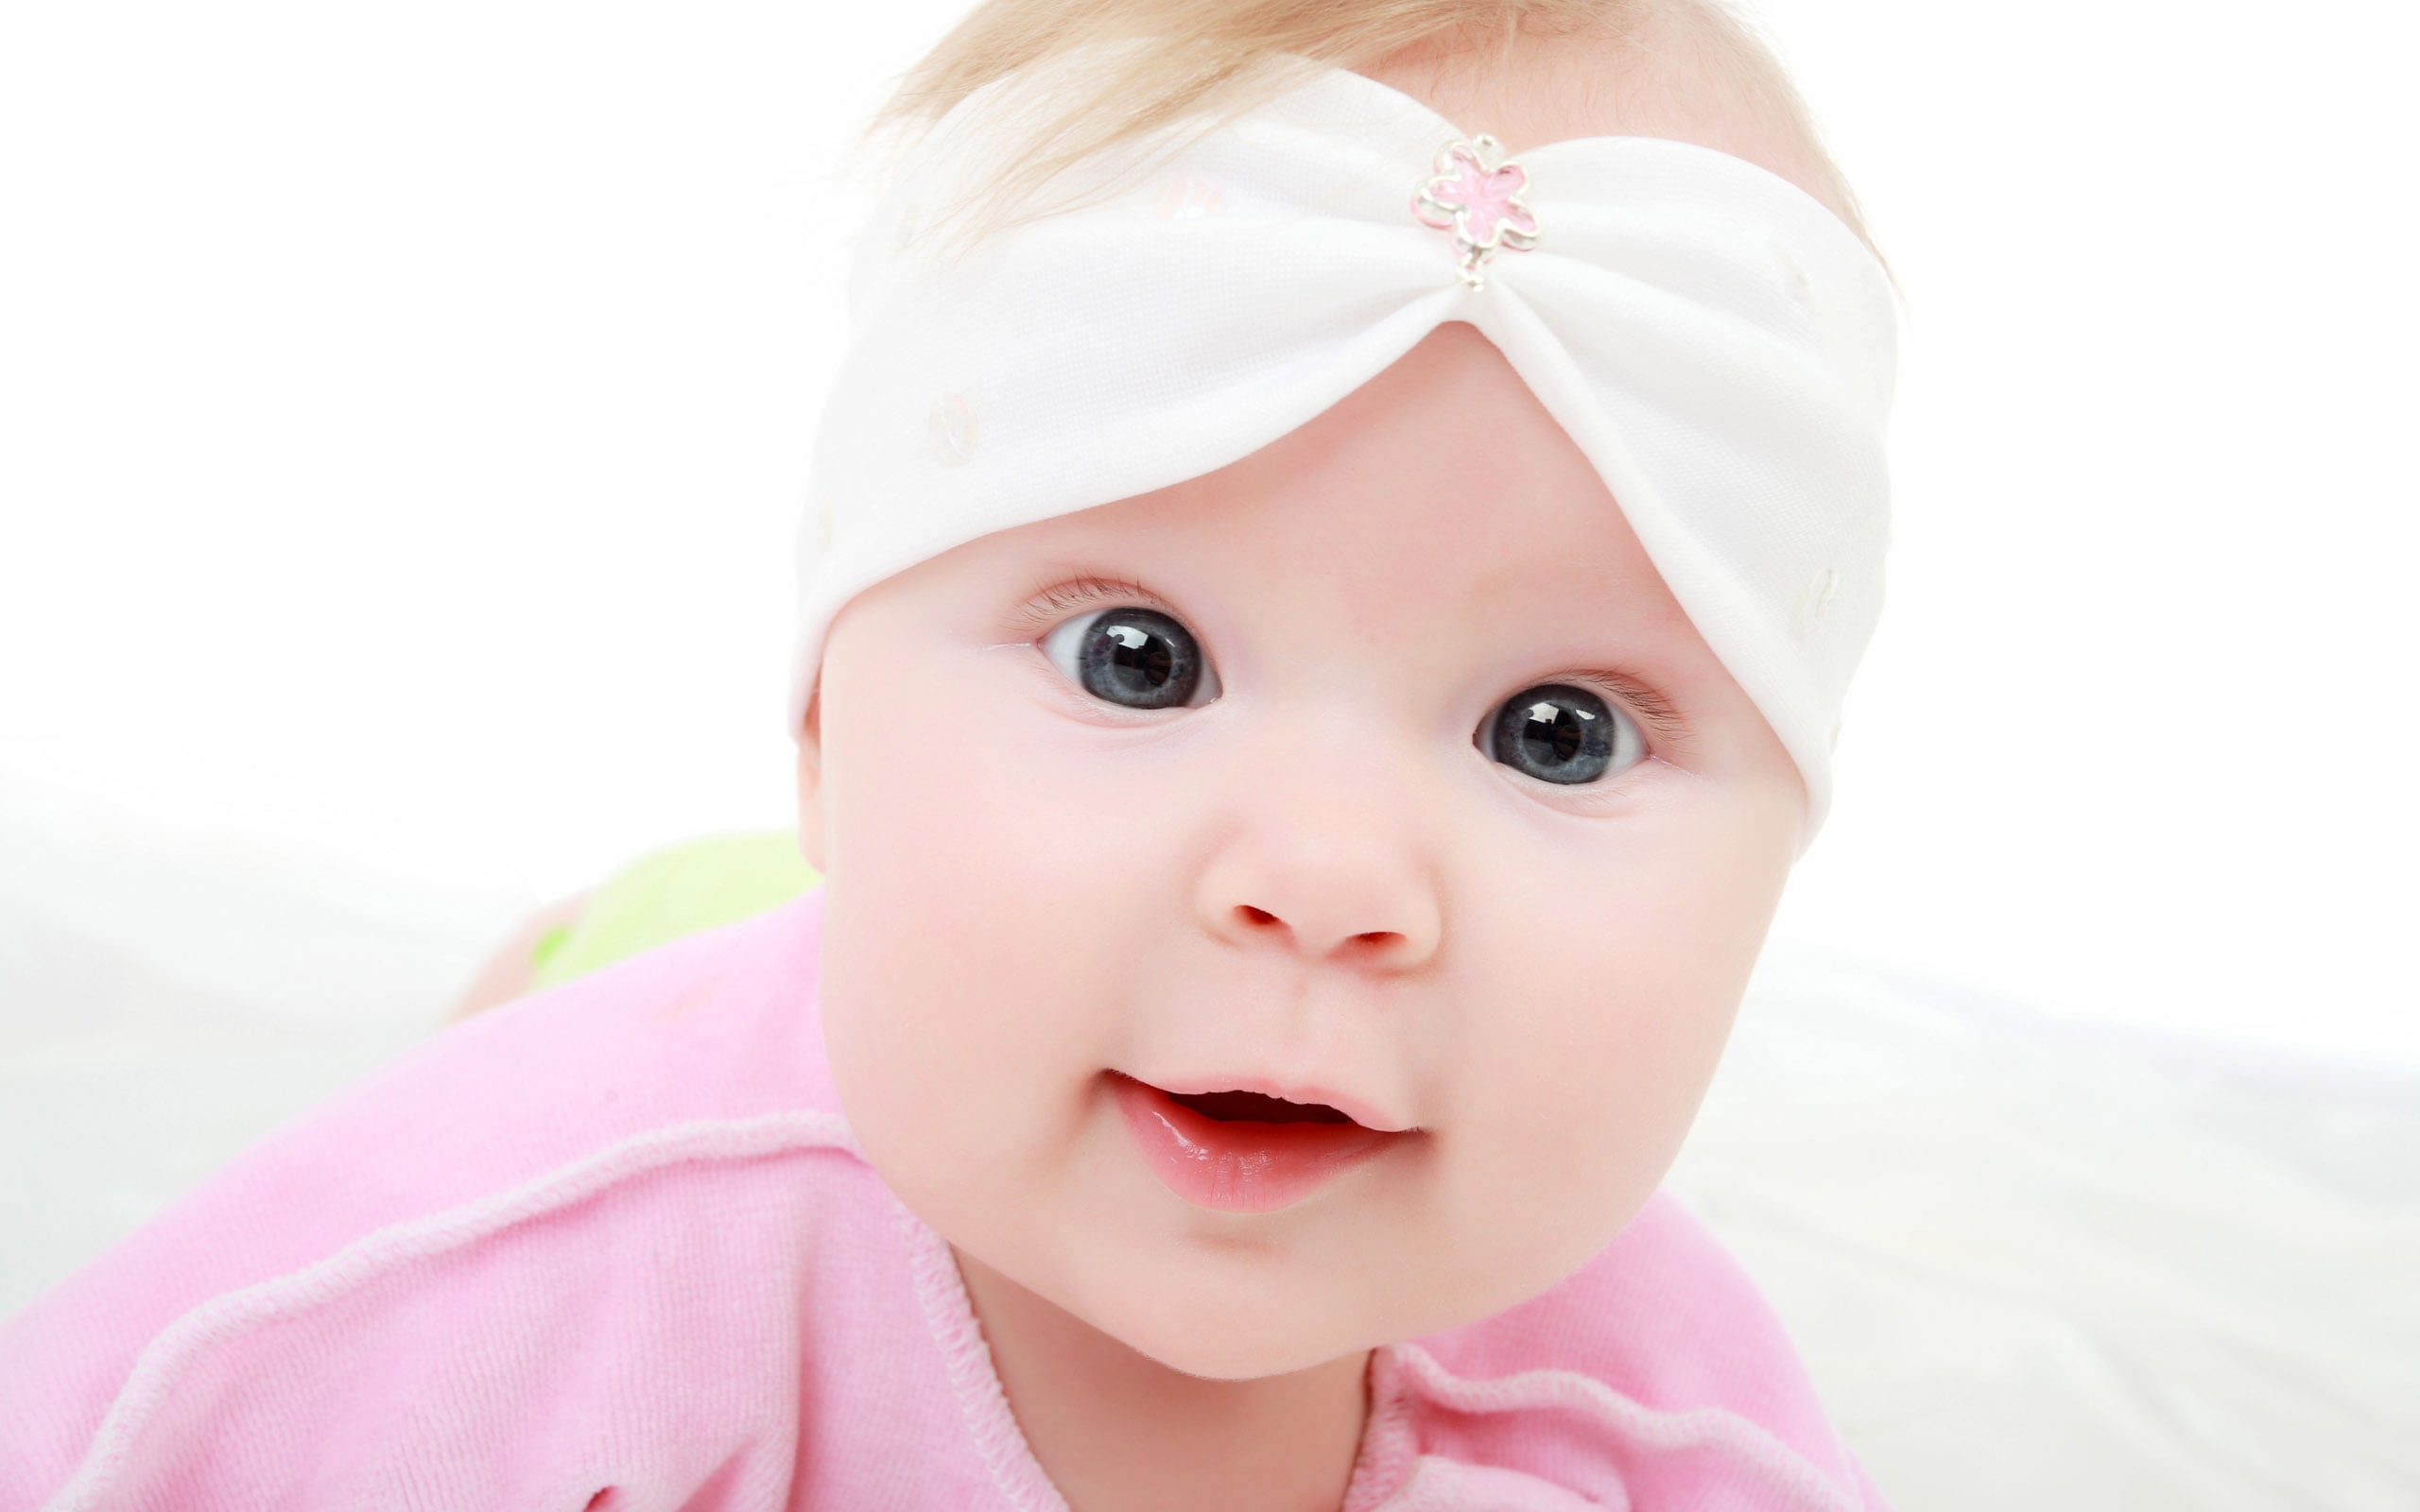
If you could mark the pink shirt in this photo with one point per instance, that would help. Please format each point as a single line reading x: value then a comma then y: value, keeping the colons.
x: 613, y: 1247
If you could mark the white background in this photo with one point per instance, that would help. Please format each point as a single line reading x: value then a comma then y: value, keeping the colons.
x: 404, y: 408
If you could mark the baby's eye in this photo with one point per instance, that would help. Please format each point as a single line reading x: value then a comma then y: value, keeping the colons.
x: 1138, y: 658
x: 1559, y: 733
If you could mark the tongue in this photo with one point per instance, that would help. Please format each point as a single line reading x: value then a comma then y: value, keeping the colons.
x: 1253, y: 1108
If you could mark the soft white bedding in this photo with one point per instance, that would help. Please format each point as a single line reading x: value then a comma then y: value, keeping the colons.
x: 2033, y: 1264
x: 2037, y: 1264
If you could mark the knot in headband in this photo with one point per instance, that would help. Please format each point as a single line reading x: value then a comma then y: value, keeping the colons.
x: 1718, y: 344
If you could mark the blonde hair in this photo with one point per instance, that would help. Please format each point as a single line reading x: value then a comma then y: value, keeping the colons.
x: 1209, y: 61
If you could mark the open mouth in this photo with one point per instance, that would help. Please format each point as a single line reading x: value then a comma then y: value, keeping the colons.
x: 1256, y: 1108
x: 1240, y: 1151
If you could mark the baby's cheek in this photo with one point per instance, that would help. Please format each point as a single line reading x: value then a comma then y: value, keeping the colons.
x: 931, y: 977
x: 980, y: 939
x: 1583, y: 1065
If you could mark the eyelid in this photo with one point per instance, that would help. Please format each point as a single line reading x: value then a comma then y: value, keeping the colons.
x: 1654, y: 714
x: 1070, y: 603
x: 1048, y: 606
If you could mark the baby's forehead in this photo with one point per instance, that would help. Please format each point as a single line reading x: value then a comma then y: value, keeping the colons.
x: 1684, y: 72
x: 1440, y: 487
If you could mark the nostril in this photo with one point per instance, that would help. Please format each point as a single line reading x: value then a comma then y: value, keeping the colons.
x: 1376, y: 939
x: 1255, y: 916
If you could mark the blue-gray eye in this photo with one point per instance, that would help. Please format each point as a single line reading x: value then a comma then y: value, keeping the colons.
x: 1137, y: 658
x: 1559, y: 733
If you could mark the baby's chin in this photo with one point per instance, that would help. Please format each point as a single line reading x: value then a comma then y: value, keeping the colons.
x: 1246, y: 1311
x: 1229, y: 1333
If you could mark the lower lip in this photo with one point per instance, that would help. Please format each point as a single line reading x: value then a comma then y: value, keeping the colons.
x: 1238, y: 1166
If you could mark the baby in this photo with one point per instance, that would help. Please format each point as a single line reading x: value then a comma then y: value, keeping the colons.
x: 1322, y: 634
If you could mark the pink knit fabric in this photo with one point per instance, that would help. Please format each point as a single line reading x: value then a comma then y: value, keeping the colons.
x: 613, y: 1248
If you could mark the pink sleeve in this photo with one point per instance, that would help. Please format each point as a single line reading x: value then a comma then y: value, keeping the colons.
x: 481, y: 1111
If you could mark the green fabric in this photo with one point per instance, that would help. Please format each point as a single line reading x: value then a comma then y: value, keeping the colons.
x: 675, y: 892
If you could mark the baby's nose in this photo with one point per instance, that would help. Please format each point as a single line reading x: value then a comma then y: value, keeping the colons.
x: 1372, y: 949
x: 1330, y: 865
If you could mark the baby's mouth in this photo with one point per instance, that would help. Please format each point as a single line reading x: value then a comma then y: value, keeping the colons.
x: 1241, y: 1151
x: 1256, y: 1108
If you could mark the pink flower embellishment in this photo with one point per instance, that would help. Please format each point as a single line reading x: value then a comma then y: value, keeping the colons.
x: 1476, y: 194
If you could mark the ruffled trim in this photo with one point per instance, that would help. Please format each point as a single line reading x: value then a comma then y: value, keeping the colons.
x: 1407, y: 1385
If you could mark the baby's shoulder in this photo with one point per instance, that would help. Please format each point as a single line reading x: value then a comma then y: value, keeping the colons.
x: 517, y: 1188
x: 716, y: 1029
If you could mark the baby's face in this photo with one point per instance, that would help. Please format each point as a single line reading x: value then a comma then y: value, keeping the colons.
x: 1375, y: 782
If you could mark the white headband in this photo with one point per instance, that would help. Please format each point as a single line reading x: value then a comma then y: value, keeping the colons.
x: 1717, y: 342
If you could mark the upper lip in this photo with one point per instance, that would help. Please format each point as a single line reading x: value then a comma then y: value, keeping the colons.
x: 1353, y: 1107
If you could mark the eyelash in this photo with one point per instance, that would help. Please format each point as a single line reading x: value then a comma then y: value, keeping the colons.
x: 1050, y: 605
x: 1661, y: 722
